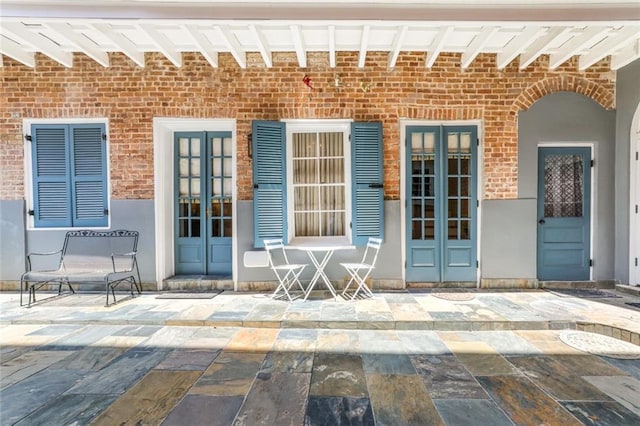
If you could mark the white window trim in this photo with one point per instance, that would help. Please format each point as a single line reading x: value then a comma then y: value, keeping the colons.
x: 28, y: 168
x: 319, y: 125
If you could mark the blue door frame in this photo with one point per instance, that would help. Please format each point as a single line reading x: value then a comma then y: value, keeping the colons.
x: 441, y: 209
x: 203, y: 203
x: 564, y: 213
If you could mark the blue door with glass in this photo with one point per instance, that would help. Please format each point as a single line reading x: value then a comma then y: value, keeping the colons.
x: 441, y: 211
x: 564, y: 208
x: 203, y: 203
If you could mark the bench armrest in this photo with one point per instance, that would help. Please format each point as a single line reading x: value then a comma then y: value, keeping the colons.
x: 130, y: 266
x: 29, y: 265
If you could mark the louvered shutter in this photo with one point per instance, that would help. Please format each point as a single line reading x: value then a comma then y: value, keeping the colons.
x: 269, y: 181
x: 89, y: 175
x: 366, y: 177
x: 50, y: 156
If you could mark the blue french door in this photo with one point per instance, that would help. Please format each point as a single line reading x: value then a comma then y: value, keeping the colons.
x: 564, y: 209
x: 203, y: 203
x: 441, y: 213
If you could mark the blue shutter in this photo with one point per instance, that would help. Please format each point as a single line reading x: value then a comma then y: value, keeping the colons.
x: 89, y: 175
x: 51, y: 191
x: 269, y: 181
x: 366, y: 177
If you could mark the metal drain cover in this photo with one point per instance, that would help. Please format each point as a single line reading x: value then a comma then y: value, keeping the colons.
x: 599, y: 344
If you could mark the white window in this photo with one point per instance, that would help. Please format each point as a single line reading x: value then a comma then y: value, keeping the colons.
x: 318, y: 162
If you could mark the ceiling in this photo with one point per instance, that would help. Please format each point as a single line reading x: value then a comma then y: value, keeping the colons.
x: 512, y: 30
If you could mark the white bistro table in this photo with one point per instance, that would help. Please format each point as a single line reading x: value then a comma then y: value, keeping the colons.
x: 315, y: 247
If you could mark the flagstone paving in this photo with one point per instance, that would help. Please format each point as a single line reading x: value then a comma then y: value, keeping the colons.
x: 243, y: 359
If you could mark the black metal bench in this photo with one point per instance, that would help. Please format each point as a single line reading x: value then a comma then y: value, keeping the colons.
x: 88, y: 257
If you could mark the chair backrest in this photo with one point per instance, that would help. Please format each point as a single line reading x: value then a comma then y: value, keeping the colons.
x: 276, y: 251
x: 371, y: 251
x: 88, y: 249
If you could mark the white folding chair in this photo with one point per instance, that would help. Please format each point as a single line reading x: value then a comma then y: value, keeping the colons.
x: 287, y: 273
x: 359, y: 272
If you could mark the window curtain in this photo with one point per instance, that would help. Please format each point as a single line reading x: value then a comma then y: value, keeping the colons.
x: 318, y: 179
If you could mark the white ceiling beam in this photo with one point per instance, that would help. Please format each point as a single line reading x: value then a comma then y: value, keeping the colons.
x: 476, y: 45
x: 364, y: 43
x: 298, y: 45
x: 575, y: 45
x: 396, y: 47
x: 203, y: 44
x: 624, y: 36
x: 437, y: 45
x: 626, y: 56
x: 517, y: 45
x: 263, y: 46
x: 18, y: 32
x: 332, y: 46
x: 82, y: 43
x: 162, y: 43
x: 16, y: 51
x: 125, y: 45
x: 540, y: 46
x: 233, y: 45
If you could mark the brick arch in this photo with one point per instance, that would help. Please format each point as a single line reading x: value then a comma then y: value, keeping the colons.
x: 599, y: 93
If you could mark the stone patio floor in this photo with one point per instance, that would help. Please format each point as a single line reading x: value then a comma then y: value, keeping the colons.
x: 402, y: 358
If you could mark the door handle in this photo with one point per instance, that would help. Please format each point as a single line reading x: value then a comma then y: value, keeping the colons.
x: 542, y: 222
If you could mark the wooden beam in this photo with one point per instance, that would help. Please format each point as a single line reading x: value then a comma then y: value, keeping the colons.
x: 624, y: 36
x: 19, y: 33
x: 233, y: 45
x: 16, y: 51
x: 364, y: 42
x: 332, y: 46
x: 437, y: 45
x: 263, y: 46
x: 397, y: 45
x: 626, y: 56
x: 540, y: 46
x: 298, y: 45
x: 125, y: 45
x: 203, y: 44
x: 575, y: 45
x: 517, y: 45
x: 162, y: 43
x: 476, y: 45
x: 82, y: 43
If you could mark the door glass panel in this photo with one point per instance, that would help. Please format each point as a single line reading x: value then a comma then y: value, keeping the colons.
x: 195, y: 147
x: 183, y: 144
x: 465, y: 186
x: 465, y: 230
x: 217, y: 167
x: 423, y: 188
x: 195, y: 167
x: 452, y: 226
x: 563, y: 185
x: 429, y: 230
x: 226, y: 149
x: 416, y: 229
x: 183, y: 167
x: 465, y: 142
x: 216, y: 147
x: 452, y: 142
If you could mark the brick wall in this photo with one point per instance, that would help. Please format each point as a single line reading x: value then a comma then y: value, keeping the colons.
x: 130, y: 96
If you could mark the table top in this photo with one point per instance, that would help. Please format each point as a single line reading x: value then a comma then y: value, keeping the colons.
x: 320, y: 244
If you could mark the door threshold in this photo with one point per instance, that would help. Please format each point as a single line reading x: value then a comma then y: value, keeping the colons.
x: 198, y: 282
